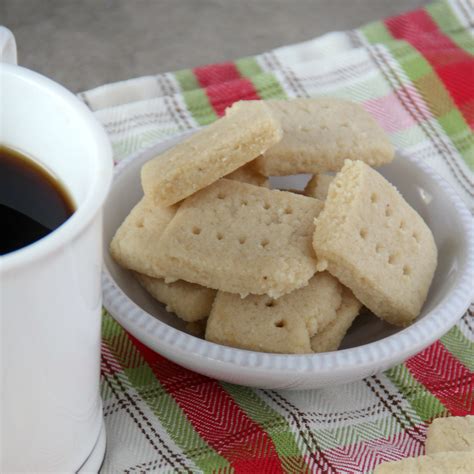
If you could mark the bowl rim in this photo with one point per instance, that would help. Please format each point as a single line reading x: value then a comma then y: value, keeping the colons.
x: 382, y: 352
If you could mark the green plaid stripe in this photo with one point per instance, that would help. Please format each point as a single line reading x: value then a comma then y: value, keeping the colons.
x: 187, y: 80
x: 426, y: 405
x: 140, y: 376
x: 199, y: 106
x: 268, y: 86
x: 460, y: 346
x: 273, y: 423
x: 248, y: 67
x: 427, y: 82
x: 447, y: 21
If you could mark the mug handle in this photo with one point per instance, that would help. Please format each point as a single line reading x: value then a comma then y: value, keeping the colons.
x: 7, y: 46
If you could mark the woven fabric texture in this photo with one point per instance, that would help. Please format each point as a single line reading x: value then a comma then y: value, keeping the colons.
x: 415, y: 74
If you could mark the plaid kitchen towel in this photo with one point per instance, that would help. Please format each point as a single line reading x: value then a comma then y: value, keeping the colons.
x: 415, y: 74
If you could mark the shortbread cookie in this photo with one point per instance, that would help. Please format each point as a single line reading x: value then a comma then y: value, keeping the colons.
x: 188, y: 301
x: 254, y: 326
x: 248, y: 174
x: 371, y: 240
x: 455, y: 433
x: 241, y: 238
x: 318, y: 134
x: 440, y: 463
x: 209, y: 154
x: 318, y: 186
x: 330, y: 338
x: 317, y: 303
x: 133, y: 245
x: 264, y: 324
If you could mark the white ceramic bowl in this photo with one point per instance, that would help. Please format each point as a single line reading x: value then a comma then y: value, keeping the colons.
x: 369, y: 347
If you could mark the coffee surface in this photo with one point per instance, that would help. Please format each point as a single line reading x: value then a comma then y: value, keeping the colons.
x: 32, y: 202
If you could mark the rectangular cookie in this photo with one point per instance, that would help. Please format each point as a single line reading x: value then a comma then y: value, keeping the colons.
x: 376, y: 244
x: 318, y: 186
x: 284, y: 325
x: 455, y: 433
x: 256, y: 328
x: 249, y: 174
x: 133, y: 245
x: 440, y: 463
x: 188, y: 301
x: 241, y: 238
x: 331, y: 336
x: 210, y: 154
x: 319, y: 134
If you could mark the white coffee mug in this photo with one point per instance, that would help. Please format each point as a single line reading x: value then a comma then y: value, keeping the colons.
x: 50, y: 294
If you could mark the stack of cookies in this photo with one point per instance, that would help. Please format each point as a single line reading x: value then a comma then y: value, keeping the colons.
x: 278, y: 271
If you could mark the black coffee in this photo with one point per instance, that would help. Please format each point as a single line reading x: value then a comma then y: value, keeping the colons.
x: 32, y: 202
